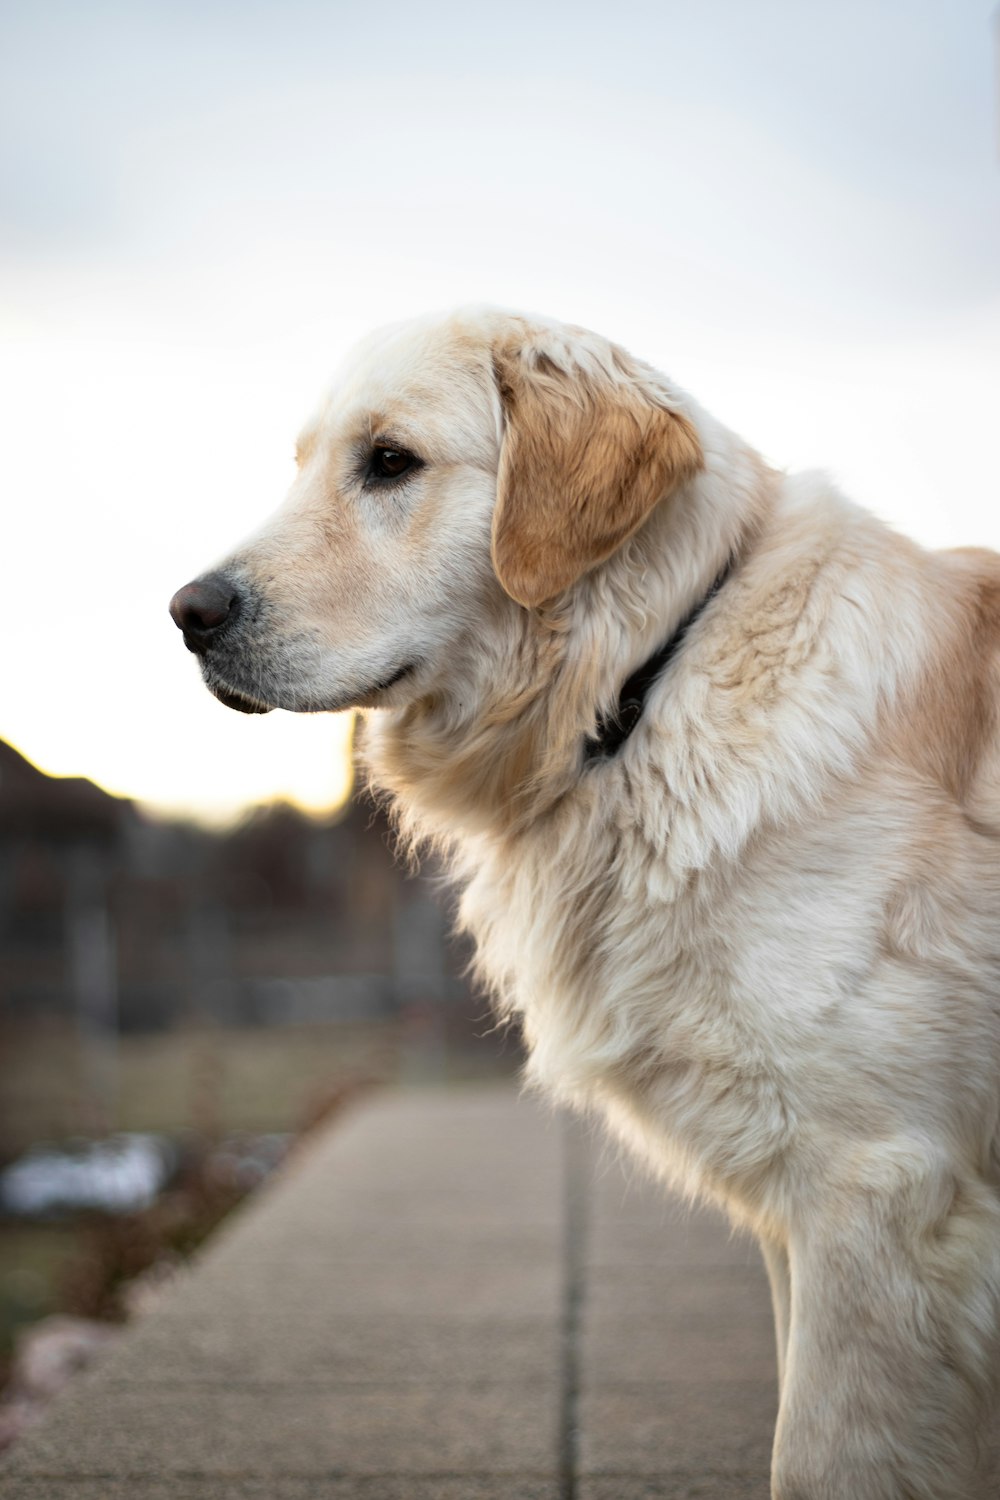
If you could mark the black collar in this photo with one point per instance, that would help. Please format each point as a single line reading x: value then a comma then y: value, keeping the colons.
x: 614, y: 729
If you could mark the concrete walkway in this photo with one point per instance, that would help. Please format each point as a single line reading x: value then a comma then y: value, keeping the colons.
x: 448, y: 1296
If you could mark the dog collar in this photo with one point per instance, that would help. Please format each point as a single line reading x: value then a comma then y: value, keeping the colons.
x: 614, y: 729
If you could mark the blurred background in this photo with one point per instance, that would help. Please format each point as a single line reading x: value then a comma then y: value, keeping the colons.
x: 205, y: 943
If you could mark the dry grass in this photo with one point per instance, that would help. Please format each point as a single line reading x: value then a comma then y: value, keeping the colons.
x: 204, y: 1079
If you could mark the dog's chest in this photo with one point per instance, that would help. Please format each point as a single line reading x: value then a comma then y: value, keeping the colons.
x: 677, y: 1001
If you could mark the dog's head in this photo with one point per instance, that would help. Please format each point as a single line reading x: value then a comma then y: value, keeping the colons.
x: 478, y: 464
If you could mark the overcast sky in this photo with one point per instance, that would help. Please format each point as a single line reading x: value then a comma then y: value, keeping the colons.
x: 793, y: 208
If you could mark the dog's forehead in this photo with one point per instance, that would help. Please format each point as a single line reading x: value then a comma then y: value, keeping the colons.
x: 432, y: 378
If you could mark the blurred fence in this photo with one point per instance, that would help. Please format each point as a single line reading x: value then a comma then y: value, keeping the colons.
x: 114, y: 924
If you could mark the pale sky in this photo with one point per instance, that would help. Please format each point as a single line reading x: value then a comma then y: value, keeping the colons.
x: 793, y: 208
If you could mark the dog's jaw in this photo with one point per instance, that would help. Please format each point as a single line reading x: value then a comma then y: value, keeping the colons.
x: 238, y: 701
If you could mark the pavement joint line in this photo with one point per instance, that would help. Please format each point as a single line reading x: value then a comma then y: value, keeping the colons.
x: 172, y: 1477
x: 296, y: 1387
x: 576, y: 1199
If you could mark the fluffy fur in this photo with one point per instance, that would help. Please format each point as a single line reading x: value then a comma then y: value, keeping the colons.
x: 763, y: 940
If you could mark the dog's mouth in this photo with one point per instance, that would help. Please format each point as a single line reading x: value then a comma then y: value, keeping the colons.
x: 370, y: 696
x: 242, y: 702
x: 397, y: 676
x: 246, y: 703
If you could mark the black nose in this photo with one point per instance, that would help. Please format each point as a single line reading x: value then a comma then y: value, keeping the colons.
x: 204, y: 609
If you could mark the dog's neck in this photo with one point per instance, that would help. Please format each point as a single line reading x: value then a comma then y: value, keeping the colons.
x: 615, y: 728
x: 505, y: 743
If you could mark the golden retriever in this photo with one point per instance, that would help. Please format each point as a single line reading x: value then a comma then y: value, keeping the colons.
x: 715, y: 757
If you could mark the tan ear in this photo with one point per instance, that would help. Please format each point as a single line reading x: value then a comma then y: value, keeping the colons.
x: 586, y: 456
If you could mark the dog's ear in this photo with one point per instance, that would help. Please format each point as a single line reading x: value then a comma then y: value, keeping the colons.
x: 587, y: 452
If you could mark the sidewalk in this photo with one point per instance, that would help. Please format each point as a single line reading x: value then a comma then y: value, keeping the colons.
x: 448, y: 1296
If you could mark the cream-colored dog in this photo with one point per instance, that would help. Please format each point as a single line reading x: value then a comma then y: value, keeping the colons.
x: 747, y: 903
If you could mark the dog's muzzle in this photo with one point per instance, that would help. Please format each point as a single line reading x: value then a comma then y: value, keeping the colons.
x: 206, y: 611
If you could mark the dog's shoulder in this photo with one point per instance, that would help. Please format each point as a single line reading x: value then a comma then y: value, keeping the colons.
x: 956, y: 709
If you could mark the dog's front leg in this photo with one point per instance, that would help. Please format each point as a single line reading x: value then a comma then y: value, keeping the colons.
x: 776, y: 1262
x: 892, y: 1347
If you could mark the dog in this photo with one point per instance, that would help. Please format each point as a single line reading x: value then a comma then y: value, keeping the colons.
x: 715, y: 758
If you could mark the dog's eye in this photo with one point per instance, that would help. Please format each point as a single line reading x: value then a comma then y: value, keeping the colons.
x: 391, y: 463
